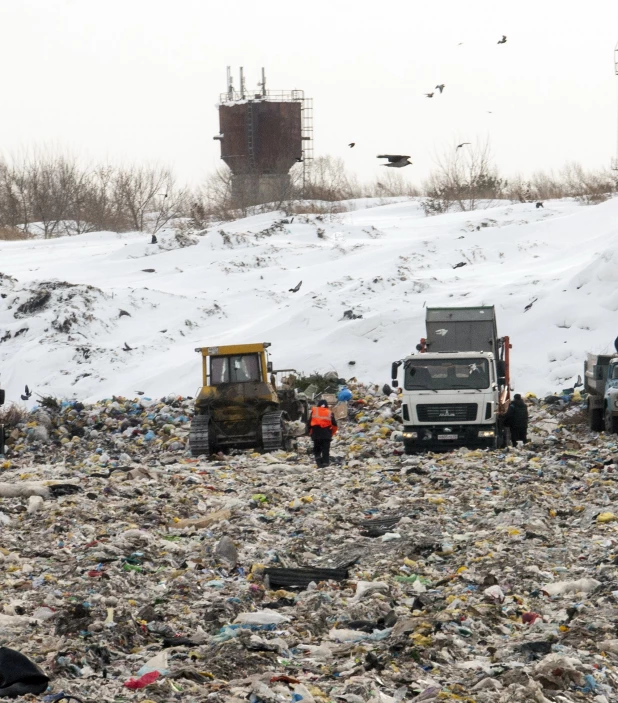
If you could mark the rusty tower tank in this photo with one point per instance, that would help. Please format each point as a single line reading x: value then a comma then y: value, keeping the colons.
x: 263, y: 134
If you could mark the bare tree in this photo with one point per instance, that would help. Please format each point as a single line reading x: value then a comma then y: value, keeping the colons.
x: 148, y: 196
x: 463, y: 177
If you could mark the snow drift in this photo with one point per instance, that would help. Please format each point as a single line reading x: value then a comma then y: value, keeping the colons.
x: 70, y: 307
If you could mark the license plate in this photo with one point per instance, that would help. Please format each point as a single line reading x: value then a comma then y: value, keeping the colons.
x: 447, y: 436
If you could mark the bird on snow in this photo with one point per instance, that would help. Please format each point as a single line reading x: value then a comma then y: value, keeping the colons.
x: 154, y: 239
x: 579, y: 382
x: 440, y: 87
x: 503, y: 40
x: 296, y: 288
x: 352, y: 144
x: 148, y: 270
x: 27, y: 393
x: 459, y: 265
x: 462, y: 144
x: 429, y: 95
x: 539, y: 204
x: 395, y: 160
x: 127, y: 347
x: 530, y: 305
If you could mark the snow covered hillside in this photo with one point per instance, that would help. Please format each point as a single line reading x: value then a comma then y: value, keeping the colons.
x: 367, y: 275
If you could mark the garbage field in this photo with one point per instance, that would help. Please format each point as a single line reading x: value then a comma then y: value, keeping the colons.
x: 132, y: 571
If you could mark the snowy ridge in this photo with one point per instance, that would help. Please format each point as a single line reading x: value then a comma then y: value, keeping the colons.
x: 62, y: 332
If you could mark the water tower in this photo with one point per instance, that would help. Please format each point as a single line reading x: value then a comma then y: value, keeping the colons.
x: 263, y: 134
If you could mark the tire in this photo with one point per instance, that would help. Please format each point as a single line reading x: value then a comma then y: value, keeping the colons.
x: 611, y: 425
x: 595, y: 419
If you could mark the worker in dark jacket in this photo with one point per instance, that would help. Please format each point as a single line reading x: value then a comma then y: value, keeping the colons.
x: 517, y: 419
x: 322, y: 428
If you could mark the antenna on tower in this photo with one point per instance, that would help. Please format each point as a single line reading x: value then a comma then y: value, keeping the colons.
x: 263, y: 83
x: 230, y: 85
x: 242, y: 83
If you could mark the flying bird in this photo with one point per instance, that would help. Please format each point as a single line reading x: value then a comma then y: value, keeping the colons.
x: 503, y: 40
x: 462, y: 144
x: 395, y: 160
x: 459, y: 265
x: 539, y: 204
x: 352, y: 144
x: 27, y: 393
x: 296, y: 288
x: 429, y: 95
x: 127, y: 347
x: 530, y: 305
x: 440, y: 87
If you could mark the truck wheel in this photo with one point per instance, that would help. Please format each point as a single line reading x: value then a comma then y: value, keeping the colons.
x: 595, y: 419
x: 611, y: 426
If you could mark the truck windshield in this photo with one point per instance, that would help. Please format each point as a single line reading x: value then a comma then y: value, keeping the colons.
x: 446, y: 374
x: 234, y: 369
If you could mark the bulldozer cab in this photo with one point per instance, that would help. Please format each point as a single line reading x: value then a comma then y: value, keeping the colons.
x: 236, y: 371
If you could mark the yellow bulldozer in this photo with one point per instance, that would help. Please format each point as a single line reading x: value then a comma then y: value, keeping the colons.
x: 239, y: 405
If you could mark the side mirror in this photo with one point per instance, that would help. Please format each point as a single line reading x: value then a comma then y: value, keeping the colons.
x: 269, y: 367
x: 394, y: 369
x: 395, y: 383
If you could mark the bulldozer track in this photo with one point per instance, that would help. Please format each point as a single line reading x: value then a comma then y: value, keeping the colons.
x: 272, y: 431
x: 199, y: 439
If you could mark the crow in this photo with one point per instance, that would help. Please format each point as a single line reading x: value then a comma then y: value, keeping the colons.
x: 27, y: 393
x: 429, y: 95
x: 539, y: 204
x: 154, y: 239
x: 140, y: 392
x: 440, y: 87
x: 462, y: 144
x: 296, y: 288
x: 122, y: 313
x: 352, y: 144
x: 162, y: 331
x: 395, y: 160
x: 459, y: 265
x: 530, y: 305
x: 503, y: 40
x: 127, y: 347
x: 579, y: 382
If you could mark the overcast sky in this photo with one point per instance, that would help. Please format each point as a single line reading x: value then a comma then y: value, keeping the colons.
x: 137, y: 80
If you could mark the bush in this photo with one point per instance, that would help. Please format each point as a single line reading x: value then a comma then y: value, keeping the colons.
x: 12, y: 415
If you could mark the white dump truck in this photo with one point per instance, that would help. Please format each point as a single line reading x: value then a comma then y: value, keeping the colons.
x: 456, y: 389
x: 601, y: 384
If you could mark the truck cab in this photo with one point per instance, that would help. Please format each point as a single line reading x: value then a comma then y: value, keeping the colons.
x: 455, y: 390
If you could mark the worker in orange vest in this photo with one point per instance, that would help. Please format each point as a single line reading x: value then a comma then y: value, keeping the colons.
x: 322, y: 428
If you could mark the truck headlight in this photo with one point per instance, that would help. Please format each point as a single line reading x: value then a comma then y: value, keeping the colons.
x: 487, y: 433
x: 410, y: 435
